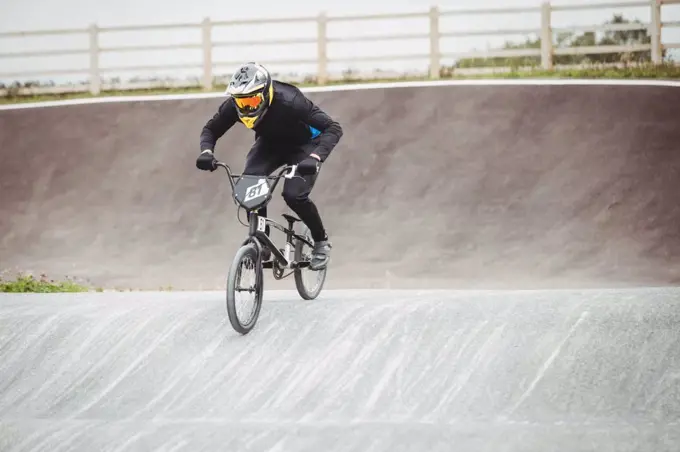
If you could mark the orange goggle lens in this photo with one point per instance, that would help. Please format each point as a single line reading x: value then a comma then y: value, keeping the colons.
x: 246, y: 103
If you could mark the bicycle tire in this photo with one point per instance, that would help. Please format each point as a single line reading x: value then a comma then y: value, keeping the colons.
x: 246, y: 251
x: 298, y: 272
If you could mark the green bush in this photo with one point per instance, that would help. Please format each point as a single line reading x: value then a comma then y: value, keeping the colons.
x: 27, y: 283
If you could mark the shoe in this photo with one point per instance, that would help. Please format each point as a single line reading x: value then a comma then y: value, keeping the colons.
x: 266, y: 255
x: 320, y: 255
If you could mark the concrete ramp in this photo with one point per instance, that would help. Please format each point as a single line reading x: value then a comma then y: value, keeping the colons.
x: 525, y: 186
x: 372, y: 370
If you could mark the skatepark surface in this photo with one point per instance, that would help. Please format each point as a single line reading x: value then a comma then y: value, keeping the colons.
x: 505, y: 277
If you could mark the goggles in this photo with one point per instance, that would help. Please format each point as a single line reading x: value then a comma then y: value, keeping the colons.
x: 249, y: 103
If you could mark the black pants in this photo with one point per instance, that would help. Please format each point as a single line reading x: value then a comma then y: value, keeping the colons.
x: 265, y: 157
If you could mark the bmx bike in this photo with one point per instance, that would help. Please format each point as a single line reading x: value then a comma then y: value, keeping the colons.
x: 251, y: 193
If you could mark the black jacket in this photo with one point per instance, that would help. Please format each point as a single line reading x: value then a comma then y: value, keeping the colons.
x: 287, y: 121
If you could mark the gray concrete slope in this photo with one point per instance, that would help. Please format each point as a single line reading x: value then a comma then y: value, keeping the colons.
x: 458, y: 186
x: 372, y: 370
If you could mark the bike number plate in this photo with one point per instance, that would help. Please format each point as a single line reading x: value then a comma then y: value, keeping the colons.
x: 257, y: 190
x: 261, y: 224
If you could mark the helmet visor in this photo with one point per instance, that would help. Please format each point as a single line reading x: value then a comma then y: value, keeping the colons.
x: 250, y: 103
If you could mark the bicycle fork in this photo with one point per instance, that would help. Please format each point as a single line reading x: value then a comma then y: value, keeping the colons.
x: 258, y: 236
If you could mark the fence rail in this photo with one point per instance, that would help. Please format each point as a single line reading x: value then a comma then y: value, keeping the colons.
x: 207, y: 43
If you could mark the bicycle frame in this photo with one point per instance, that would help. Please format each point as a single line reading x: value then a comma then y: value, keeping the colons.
x: 257, y: 224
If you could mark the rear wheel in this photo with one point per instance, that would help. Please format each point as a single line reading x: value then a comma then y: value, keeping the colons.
x: 307, y: 281
x: 245, y: 277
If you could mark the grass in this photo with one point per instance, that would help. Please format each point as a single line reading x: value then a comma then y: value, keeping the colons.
x: 664, y: 72
x: 28, y: 283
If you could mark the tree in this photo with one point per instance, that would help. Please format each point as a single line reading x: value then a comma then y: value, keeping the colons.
x: 570, y: 40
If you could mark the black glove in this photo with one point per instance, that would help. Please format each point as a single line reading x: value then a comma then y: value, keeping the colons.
x: 309, y: 166
x: 206, y: 161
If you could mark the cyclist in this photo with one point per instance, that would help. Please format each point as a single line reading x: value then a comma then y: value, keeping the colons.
x: 289, y: 129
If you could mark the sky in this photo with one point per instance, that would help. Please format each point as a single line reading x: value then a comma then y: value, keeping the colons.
x: 25, y: 15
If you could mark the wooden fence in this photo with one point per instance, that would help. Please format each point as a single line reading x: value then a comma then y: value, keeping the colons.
x: 545, y: 30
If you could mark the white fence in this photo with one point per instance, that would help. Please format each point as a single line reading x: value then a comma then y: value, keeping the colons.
x: 545, y: 30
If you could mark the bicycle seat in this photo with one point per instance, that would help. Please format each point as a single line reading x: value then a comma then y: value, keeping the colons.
x: 290, y: 218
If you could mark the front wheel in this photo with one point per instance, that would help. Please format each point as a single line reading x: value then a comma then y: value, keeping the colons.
x: 244, y: 263
x: 307, y: 281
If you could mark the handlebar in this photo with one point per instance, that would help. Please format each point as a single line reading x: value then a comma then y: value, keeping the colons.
x: 290, y: 168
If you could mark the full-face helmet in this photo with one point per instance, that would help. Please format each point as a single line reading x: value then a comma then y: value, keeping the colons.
x: 252, y: 90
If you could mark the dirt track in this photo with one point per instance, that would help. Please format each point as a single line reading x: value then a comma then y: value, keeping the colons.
x: 488, y: 186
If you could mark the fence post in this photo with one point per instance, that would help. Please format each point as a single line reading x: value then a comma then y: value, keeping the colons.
x: 655, y: 32
x: 95, y: 78
x: 434, y: 43
x: 206, y: 26
x: 546, y: 37
x: 322, y: 57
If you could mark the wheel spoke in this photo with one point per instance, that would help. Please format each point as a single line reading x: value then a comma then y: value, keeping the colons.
x: 308, y: 282
x: 244, y: 277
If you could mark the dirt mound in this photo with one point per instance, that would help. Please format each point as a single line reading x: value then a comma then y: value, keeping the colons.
x: 448, y: 186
